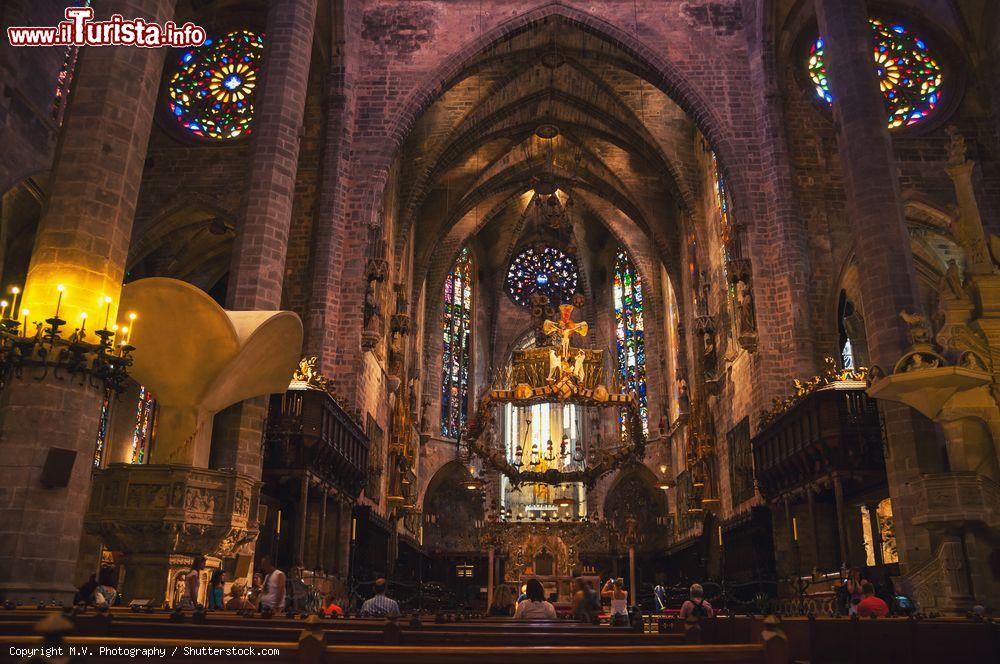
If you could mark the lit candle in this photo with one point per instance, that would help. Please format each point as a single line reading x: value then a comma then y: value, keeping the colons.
x: 795, y: 529
x: 131, y: 318
x: 278, y: 529
x: 107, y: 313
x: 25, y: 312
x: 13, y: 305
x: 61, y: 290
x: 83, y: 324
x: 3, y: 309
x: 124, y: 331
x: 720, y: 535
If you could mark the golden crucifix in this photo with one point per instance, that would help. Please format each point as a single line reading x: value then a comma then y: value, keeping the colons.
x: 566, y: 329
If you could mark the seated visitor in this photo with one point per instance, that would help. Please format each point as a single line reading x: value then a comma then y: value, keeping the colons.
x: 853, y: 590
x: 379, y: 605
x: 192, y: 584
x: 534, y: 606
x: 256, y: 588
x: 85, y: 593
x: 523, y: 596
x: 503, y: 602
x: 331, y: 607
x: 216, y: 589
x: 870, y: 605
x: 615, y: 590
x: 272, y: 594
x: 586, y: 603
x: 105, y: 594
x: 238, y: 599
x: 696, y: 606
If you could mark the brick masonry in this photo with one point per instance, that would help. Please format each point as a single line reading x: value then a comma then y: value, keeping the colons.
x: 416, y: 119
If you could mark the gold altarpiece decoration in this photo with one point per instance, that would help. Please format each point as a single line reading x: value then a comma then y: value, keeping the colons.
x: 559, y: 373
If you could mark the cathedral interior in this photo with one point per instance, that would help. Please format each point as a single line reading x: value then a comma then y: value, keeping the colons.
x: 461, y: 294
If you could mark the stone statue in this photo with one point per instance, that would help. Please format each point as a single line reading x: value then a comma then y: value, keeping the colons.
x: 711, y: 353
x: 956, y: 146
x: 951, y: 281
x: 746, y: 315
x: 918, y: 330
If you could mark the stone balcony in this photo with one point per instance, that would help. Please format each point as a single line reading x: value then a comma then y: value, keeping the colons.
x: 162, y: 517
x: 955, y: 498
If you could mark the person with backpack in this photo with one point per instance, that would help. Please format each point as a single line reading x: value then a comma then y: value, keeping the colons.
x: 696, y: 606
x: 586, y: 602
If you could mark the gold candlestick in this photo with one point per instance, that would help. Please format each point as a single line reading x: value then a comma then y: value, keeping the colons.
x: 107, y: 313
x: 13, y: 305
x: 61, y: 290
x: 3, y: 309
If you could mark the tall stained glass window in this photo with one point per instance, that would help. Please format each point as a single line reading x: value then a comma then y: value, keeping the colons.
x: 630, y: 333
x: 725, y: 216
x: 64, y: 79
x: 457, y: 330
x: 102, y: 429
x: 542, y: 269
x: 211, y: 92
x: 909, y: 75
x: 145, y: 425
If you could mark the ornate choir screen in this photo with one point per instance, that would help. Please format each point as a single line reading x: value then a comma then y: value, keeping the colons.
x: 540, y: 426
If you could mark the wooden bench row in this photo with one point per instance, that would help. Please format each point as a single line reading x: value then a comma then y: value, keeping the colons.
x: 314, y: 652
x: 529, y: 634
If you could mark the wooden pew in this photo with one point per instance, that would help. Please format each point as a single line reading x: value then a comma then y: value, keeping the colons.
x: 187, y: 651
x: 528, y: 634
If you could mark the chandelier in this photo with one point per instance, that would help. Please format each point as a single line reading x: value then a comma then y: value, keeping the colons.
x: 558, y: 374
x: 49, y: 352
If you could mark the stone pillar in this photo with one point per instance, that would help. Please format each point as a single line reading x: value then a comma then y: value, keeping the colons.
x: 321, y: 544
x: 633, y: 591
x: 813, y: 529
x: 888, y: 283
x: 82, y: 242
x: 838, y: 496
x: 490, y: 564
x: 301, y: 522
x: 256, y: 273
x: 876, y: 533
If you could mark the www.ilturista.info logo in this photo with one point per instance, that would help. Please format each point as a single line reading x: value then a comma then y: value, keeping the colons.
x: 80, y: 29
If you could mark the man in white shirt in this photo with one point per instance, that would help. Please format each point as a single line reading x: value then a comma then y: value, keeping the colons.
x: 272, y: 597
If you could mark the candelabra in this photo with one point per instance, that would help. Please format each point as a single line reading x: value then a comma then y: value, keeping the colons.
x: 103, y: 364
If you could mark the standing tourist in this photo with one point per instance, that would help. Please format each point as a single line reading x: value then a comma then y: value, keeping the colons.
x: 615, y: 589
x: 272, y: 595
x: 192, y: 584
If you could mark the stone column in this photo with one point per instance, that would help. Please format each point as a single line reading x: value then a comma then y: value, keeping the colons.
x: 633, y: 591
x: 813, y: 530
x: 888, y: 283
x: 321, y: 544
x: 345, y: 533
x: 82, y: 242
x: 838, y: 496
x: 876, y: 533
x: 490, y: 564
x: 256, y: 273
x: 301, y: 522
